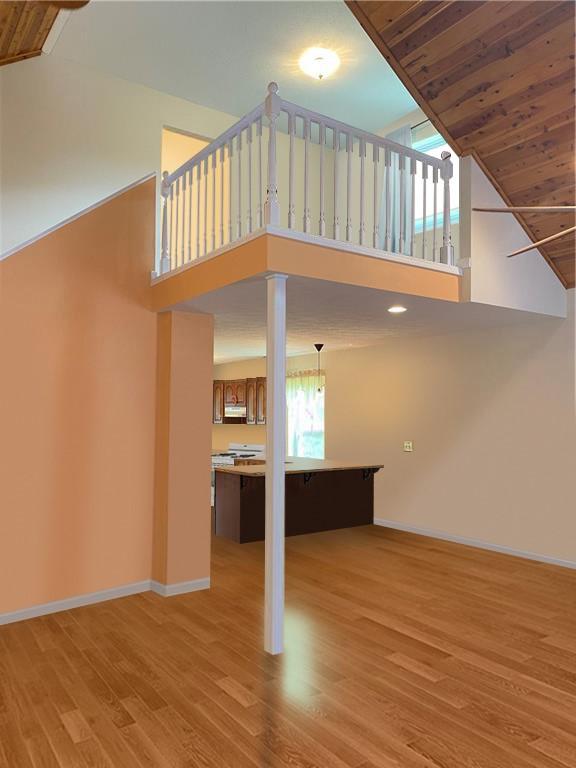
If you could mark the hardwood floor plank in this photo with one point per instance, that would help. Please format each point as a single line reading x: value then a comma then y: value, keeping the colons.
x: 401, y: 652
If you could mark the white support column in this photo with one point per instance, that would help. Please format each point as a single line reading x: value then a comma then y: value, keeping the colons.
x: 275, y: 464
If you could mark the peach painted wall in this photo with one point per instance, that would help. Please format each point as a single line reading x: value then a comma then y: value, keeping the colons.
x: 182, y: 513
x: 77, y: 388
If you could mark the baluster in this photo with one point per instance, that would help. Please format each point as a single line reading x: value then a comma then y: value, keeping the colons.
x: 402, y: 203
x: 435, y: 224
x: 388, y: 202
x: 190, y: 190
x: 213, y: 200
x: 171, y: 226
x: 184, y: 209
x: 230, y: 179
x: 447, y: 249
x: 164, y: 249
x: 376, y: 207
x: 249, y: 215
x: 424, y: 185
x: 222, y: 156
x: 239, y: 217
x: 272, y: 107
x: 349, y: 145
x: 177, y: 205
x: 336, y: 183
x: 260, y: 209
x: 198, y: 207
x: 183, y: 246
x: 362, y: 150
x: 306, y: 219
x: 291, y: 171
x: 412, y: 206
x: 205, y: 237
x: 322, y: 139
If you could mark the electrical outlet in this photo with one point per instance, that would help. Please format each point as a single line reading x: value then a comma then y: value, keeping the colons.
x: 408, y: 447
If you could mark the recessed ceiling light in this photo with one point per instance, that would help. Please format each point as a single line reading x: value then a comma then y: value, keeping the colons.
x: 397, y: 309
x: 319, y: 63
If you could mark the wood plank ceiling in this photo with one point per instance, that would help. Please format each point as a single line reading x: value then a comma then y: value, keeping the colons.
x: 497, y: 80
x: 24, y: 27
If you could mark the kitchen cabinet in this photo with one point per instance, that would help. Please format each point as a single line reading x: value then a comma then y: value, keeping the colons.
x: 235, y: 392
x: 218, y: 403
x: 239, y: 401
x: 317, y: 499
x: 261, y: 401
x: 251, y: 385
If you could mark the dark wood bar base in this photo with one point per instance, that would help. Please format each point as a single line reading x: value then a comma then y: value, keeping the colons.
x: 315, y: 501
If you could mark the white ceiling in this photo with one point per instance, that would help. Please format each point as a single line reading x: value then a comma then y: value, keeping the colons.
x: 339, y: 316
x: 223, y: 54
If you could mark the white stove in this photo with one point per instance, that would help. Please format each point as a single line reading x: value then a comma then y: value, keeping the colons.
x: 237, y: 451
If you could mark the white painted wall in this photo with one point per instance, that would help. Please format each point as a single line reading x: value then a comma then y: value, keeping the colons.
x: 491, y: 413
x: 522, y: 282
x: 70, y: 136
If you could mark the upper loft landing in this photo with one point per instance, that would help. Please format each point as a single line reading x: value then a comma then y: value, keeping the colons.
x: 286, y: 179
x: 289, y: 190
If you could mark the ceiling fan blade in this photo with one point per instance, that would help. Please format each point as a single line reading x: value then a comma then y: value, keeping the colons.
x: 543, y: 242
x: 528, y: 209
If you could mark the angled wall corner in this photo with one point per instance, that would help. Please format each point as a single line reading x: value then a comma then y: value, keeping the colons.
x: 182, y: 514
x: 525, y: 282
x: 78, y: 352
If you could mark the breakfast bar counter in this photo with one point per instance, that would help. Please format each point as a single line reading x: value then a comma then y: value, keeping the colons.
x: 321, y: 495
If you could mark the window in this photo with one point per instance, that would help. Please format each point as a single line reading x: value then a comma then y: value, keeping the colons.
x: 305, y: 405
x: 434, y: 145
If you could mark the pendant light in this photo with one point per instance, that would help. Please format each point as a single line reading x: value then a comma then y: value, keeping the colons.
x: 319, y: 348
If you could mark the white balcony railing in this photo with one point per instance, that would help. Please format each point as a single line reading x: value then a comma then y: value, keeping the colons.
x: 321, y: 177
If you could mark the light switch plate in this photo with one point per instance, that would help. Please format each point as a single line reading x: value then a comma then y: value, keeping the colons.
x: 408, y: 447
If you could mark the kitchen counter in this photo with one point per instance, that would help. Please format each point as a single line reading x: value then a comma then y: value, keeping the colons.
x: 294, y: 466
x: 321, y: 495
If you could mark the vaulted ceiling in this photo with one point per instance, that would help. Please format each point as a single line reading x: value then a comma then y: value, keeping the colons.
x: 497, y: 80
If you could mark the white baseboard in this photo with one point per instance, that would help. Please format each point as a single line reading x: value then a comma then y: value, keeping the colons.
x: 170, y: 590
x: 74, y: 602
x: 478, y: 543
x: 166, y: 590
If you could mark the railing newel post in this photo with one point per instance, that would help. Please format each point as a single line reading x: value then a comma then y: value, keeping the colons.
x: 164, y: 254
x: 446, y: 173
x: 272, y: 107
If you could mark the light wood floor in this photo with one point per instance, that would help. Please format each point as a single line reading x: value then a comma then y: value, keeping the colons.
x: 401, y: 651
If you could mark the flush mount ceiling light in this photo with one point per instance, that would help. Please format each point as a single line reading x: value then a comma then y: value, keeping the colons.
x: 319, y: 63
x: 396, y: 309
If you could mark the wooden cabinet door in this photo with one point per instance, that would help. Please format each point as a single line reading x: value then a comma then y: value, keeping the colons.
x: 261, y: 401
x: 240, y: 391
x: 218, y: 403
x: 251, y: 401
x: 229, y: 392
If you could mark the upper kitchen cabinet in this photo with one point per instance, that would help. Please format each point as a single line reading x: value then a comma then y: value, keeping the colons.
x: 251, y: 401
x: 235, y: 392
x: 218, y: 403
x: 240, y: 401
x: 261, y: 401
